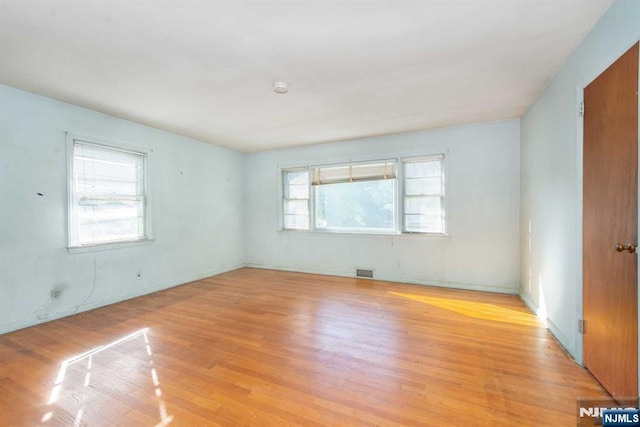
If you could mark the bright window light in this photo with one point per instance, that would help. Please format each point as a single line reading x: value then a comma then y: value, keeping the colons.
x: 356, y: 206
x: 367, y: 197
x: 108, y: 202
x: 296, y: 199
x: 424, y: 195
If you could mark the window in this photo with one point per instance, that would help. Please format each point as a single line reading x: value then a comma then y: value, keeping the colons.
x: 364, y: 197
x: 355, y: 197
x: 424, y: 194
x: 107, y: 194
x: 295, y: 199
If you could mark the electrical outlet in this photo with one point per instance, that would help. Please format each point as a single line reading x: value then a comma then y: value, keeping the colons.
x: 139, y: 275
x: 56, y: 293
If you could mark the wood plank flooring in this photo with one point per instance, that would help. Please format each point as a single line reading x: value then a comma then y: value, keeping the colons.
x: 268, y: 348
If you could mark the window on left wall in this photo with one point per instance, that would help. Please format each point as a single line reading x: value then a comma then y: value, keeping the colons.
x: 108, y: 202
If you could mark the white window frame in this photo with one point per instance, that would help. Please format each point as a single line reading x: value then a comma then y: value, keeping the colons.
x: 396, y: 189
x: 442, y: 157
x: 73, y: 244
x: 283, y: 171
x: 399, y: 197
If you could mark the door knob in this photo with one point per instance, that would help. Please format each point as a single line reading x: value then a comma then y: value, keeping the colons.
x: 630, y: 247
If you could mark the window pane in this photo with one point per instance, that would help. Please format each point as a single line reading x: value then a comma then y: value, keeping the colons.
x: 296, y: 222
x: 92, y: 185
x: 423, y: 169
x: 422, y: 205
x: 98, y: 169
x: 296, y: 207
x: 424, y: 223
x: 107, y: 172
x: 102, y: 221
x: 295, y: 199
x: 296, y: 177
x: 421, y: 186
x: 108, y: 194
x: 424, y: 195
x: 366, y: 205
x: 112, y: 231
x: 296, y: 191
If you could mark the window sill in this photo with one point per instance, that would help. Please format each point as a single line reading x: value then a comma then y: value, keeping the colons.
x: 109, y: 246
x: 366, y: 234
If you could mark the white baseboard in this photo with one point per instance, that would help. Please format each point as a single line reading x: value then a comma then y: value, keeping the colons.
x: 25, y: 323
x: 530, y: 304
x: 562, y: 339
x: 440, y: 284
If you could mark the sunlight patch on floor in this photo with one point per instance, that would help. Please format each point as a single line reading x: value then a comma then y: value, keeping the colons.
x: 477, y: 310
x: 89, y: 356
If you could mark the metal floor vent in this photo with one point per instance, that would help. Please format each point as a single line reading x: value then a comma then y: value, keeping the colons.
x: 363, y: 272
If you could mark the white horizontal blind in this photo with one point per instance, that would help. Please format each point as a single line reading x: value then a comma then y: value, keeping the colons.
x: 108, y: 200
x: 424, y: 194
x: 295, y: 199
x: 354, y: 172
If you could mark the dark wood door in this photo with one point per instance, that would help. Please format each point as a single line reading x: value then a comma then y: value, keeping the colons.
x: 610, y: 304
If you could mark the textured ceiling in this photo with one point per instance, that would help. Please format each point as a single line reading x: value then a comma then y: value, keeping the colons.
x: 355, y: 68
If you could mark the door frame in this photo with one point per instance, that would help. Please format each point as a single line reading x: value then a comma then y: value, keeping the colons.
x: 583, y: 82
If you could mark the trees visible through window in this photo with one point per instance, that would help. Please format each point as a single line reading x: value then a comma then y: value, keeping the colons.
x: 360, y: 197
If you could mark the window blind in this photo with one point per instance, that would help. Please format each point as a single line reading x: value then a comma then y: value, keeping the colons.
x: 423, y: 159
x: 108, y: 194
x: 354, y: 172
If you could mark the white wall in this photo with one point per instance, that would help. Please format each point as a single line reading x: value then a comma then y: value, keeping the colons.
x: 551, y: 177
x: 197, y: 212
x: 482, y: 199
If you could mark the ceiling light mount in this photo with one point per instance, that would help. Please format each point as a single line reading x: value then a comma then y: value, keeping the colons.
x: 280, y: 87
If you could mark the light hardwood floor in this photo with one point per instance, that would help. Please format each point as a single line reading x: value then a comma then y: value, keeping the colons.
x: 258, y: 347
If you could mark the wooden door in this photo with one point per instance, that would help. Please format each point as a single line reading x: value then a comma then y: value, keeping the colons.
x: 610, y: 304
